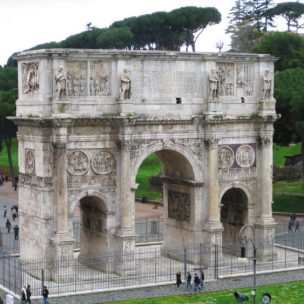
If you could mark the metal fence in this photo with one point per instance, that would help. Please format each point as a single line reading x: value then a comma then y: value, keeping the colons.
x: 147, y: 265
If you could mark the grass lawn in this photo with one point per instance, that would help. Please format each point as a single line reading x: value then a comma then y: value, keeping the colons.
x: 280, y: 151
x: 3, y: 157
x: 289, y: 293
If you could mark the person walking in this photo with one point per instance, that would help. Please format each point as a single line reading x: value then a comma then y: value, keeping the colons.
x: 290, y: 226
x: 297, y: 226
x: 197, y: 283
x: 189, y: 285
x: 4, y: 211
x: 202, y: 278
x: 23, y: 295
x: 8, y: 225
x: 16, y: 232
x: 14, y: 213
x: 28, y: 294
x: 45, y: 294
x: 178, y: 278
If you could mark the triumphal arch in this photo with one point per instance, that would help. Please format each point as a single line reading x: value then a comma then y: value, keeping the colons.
x: 88, y: 118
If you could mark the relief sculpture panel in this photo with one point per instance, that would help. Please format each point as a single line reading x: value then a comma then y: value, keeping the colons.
x: 179, y: 206
x: 245, y: 156
x: 102, y: 162
x: 76, y: 78
x: 30, y: 77
x: 99, y: 79
x: 225, y: 73
x: 244, y: 80
x: 225, y: 157
x: 29, y: 161
x: 77, y: 163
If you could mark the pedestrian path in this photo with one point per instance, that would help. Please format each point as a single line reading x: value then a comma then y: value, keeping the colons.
x: 231, y: 283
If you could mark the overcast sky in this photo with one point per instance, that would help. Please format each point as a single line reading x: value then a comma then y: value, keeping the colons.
x: 26, y: 23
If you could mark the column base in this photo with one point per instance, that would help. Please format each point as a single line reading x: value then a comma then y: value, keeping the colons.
x: 124, y: 256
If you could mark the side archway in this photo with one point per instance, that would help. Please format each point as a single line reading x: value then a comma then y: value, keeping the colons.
x: 234, y: 214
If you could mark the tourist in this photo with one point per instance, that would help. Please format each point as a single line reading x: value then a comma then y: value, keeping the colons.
x: 8, y: 225
x: 290, y: 226
x: 4, y: 211
x: 14, y: 213
x: 28, y: 294
x: 189, y: 285
x: 197, y: 283
x: 297, y: 226
x: 45, y: 294
x: 202, y: 277
x: 16, y: 232
x: 178, y: 278
x: 23, y: 295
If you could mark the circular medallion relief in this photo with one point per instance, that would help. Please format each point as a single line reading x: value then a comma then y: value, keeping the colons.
x: 225, y: 157
x: 29, y: 161
x: 78, y: 163
x: 102, y: 162
x: 245, y: 156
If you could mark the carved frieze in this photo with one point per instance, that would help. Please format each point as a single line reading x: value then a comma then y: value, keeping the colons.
x: 244, y: 80
x: 29, y: 161
x: 106, y: 183
x: 76, y: 79
x: 77, y: 163
x: 30, y: 77
x: 225, y: 157
x: 35, y: 181
x: 99, y: 79
x: 102, y: 162
x: 225, y: 73
x: 179, y: 206
x: 234, y: 174
x: 245, y: 156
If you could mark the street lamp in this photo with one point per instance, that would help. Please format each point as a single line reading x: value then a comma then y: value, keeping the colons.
x: 244, y: 238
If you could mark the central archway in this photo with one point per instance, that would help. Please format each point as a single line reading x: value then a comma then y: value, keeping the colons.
x: 179, y: 196
x: 234, y: 215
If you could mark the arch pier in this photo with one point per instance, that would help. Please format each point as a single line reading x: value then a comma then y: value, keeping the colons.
x: 88, y: 118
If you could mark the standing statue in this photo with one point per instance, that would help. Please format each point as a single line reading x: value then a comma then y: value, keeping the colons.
x: 125, y: 85
x: 213, y: 84
x: 266, y: 86
x: 61, y: 83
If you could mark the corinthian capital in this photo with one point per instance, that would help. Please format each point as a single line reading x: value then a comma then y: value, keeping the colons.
x: 264, y: 141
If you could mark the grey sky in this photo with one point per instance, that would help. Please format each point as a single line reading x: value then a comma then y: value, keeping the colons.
x: 26, y: 23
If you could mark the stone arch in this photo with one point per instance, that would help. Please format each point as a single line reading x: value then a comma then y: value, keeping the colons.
x: 161, y: 146
x: 93, y: 193
x: 234, y: 212
x: 239, y: 185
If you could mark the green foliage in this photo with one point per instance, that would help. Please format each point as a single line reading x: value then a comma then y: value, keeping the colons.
x: 287, y: 293
x: 115, y: 38
x: 288, y: 47
x: 290, y: 11
x: 8, y: 78
x: 4, y: 160
x: 288, y: 187
x: 193, y: 20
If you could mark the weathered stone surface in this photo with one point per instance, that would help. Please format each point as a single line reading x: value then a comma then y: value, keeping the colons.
x: 88, y: 118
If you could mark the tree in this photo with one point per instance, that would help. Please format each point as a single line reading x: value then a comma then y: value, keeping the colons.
x: 247, y: 20
x: 289, y: 93
x: 291, y: 12
x: 193, y: 20
x: 8, y: 96
x: 115, y: 38
x: 288, y: 47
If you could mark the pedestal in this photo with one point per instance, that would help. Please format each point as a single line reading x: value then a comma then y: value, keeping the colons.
x: 126, y: 107
x: 267, y: 106
x: 124, y: 255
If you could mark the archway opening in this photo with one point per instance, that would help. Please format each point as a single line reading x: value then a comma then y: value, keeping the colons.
x: 234, y: 215
x: 173, y: 202
x: 93, y: 227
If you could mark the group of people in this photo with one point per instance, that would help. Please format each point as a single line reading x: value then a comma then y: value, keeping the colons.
x: 26, y: 294
x: 8, y: 224
x: 3, y: 179
x: 293, y: 224
x: 198, y: 281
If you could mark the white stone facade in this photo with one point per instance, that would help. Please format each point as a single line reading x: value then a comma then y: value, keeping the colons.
x: 88, y: 118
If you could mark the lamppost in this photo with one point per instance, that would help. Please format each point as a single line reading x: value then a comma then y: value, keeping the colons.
x: 243, y: 237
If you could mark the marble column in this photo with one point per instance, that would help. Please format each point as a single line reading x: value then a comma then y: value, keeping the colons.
x: 213, y: 187
x: 265, y: 176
